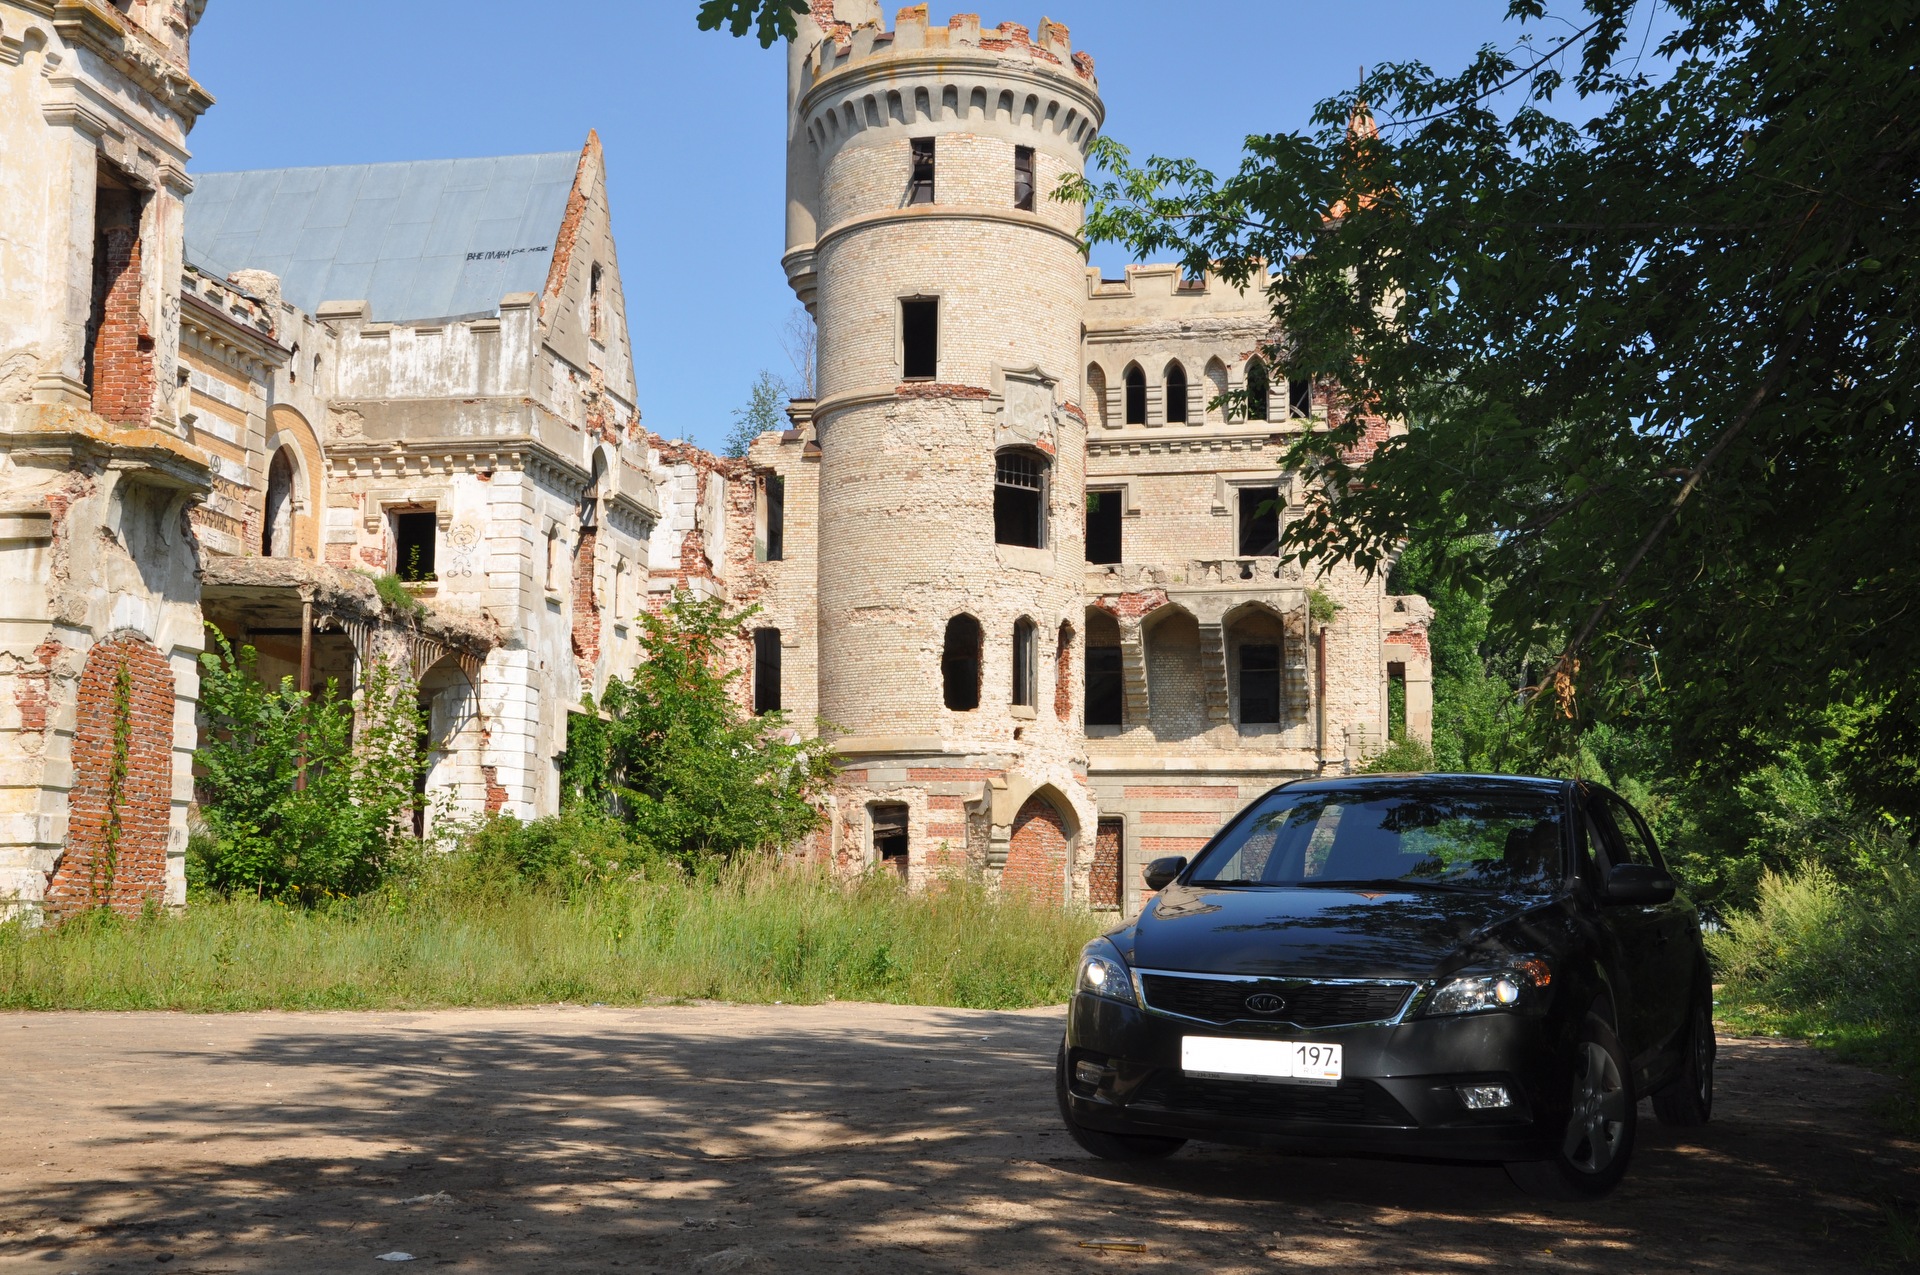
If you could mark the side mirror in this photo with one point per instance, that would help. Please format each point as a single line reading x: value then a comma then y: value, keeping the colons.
x: 1161, y: 872
x: 1638, y: 883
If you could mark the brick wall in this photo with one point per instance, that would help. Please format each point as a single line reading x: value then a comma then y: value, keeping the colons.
x: 1037, y: 853
x: 119, y: 807
x: 586, y: 607
x: 122, y: 354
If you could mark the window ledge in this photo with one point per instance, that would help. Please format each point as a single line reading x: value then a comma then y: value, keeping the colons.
x: 1021, y: 558
x: 1025, y: 712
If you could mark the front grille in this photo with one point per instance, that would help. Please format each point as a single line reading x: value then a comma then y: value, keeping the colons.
x: 1307, y: 1004
x: 1349, y: 1102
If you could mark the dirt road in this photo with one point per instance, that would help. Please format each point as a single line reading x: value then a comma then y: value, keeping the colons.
x: 842, y: 1138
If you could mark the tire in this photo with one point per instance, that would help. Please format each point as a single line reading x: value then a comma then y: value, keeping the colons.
x: 1687, y: 1100
x: 1108, y: 1146
x: 1597, y: 1144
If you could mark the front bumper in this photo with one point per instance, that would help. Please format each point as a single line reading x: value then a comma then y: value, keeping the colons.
x: 1399, y: 1094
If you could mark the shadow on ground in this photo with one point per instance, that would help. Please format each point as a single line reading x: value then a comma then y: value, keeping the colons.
x: 841, y: 1137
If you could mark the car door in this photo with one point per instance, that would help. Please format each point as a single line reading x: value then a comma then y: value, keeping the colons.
x: 1671, y: 961
x: 1633, y: 929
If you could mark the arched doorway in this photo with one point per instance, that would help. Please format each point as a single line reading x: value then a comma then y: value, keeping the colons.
x: 452, y: 780
x: 1037, y: 853
x: 276, y: 526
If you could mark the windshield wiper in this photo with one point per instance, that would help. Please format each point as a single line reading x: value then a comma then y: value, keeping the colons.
x: 1396, y: 883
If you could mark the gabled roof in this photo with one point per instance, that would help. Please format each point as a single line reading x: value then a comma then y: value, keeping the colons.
x: 424, y: 239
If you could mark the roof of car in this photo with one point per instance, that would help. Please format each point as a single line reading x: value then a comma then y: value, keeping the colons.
x: 1430, y: 779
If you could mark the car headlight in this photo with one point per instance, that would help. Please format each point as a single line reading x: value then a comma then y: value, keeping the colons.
x: 1103, y: 973
x: 1520, y: 985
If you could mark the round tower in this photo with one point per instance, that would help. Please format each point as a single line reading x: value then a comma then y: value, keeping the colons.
x: 948, y: 290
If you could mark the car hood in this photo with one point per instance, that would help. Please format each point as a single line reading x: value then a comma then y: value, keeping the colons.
x: 1328, y: 933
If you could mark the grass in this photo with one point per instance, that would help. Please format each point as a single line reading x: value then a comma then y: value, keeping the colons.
x: 757, y: 934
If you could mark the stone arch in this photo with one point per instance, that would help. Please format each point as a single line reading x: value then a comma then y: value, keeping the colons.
x: 1255, y: 635
x: 1040, y: 848
x: 119, y: 810
x: 1134, y: 395
x: 290, y: 435
x: 454, y: 781
x: 1216, y: 390
x: 276, y: 525
x: 1176, y: 681
x: 1097, y: 393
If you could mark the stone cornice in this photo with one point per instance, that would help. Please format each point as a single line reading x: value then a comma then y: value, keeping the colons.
x: 432, y: 458
x: 952, y: 64
x: 944, y: 212
x: 92, y: 25
x: 1165, y: 442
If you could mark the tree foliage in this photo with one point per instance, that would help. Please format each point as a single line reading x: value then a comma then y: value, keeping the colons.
x: 675, y: 755
x: 761, y: 412
x: 1653, y: 336
x: 770, y: 20
x: 271, y: 836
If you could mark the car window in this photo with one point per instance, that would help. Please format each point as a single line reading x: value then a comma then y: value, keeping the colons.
x: 1597, y: 851
x: 1374, y: 834
x: 1632, y: 830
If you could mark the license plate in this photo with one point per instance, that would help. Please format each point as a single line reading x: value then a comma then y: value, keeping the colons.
x: 1235, y: 1058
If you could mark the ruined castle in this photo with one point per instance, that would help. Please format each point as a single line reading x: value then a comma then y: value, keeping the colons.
x: 1018, y: 555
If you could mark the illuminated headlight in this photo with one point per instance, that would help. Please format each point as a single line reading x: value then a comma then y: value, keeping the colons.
x: 1103, y: 973
x: 1520, y: 984
x: 1485, y: 1097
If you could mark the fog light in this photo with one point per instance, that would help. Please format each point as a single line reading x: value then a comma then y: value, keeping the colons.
x: 1091, y: 1074
x: 1480, y: 1097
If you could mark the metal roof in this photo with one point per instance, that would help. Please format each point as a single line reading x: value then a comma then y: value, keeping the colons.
x: 424, y: 239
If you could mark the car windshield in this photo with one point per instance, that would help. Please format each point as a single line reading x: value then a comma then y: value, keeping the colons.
x: 1414, y: 838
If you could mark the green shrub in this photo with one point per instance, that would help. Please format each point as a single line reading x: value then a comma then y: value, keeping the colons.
x: 265, y: 833
x: 1822, y: 956
x: 1403, y: 756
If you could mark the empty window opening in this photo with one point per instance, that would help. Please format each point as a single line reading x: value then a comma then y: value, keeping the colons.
x: 1023, y: 660
x: 890, y: 837
x: 1023, y: 178
x: 773, y: 494
x: 1259, y: 683
x: 1019, y: 499
x: 596, y: 317
x: 1176, y: 395
x: 1103, y: 526
x: 276, y: 529
x: 117, y: 362
x: 1063, y: 673
x: 414, y: 535
x: 1106, y: 686
x: 1396, y: 701
x: 920, y: 184
x: 1299, y: 397
x: 1097, y: 393
x: 1136, y: 396
x: 920, y: 338
x: 960, y: 664
x: 1256, y: 391
x: 1259, y: 522
x: 766, y: 670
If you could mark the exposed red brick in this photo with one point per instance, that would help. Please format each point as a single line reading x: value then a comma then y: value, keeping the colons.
x: 1172, y: 845
x: 1208, y: 817
x: 117, y: 828
x: 122, y: 348
x: 31, y: 687
x: 1131, y: 606
x: 1063, y: 674
x: 1415, y: 638
x: 938, y: 774
x: 496, y: 795
x: 1195, y: 792
x: 938, y: 389
x: 563, y: 243
x: 1036, y: 866
x: 586, y: 608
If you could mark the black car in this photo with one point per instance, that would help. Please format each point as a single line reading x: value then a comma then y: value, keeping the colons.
x: 1468, y: 967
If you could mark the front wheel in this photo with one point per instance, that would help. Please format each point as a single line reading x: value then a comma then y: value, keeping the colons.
x: 1688, y: 1100
x: 1108, y: 1146
x: 1597, y: 1142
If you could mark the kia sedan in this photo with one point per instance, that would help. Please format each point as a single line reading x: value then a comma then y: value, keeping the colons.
x: 1485, y: 968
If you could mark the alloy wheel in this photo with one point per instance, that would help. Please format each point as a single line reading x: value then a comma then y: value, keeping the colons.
x: 1596, y: 1128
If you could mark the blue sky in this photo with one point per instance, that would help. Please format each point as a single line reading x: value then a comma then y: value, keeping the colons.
x: 693, y: 123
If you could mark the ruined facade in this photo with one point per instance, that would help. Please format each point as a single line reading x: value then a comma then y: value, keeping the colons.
x: 1017, y: 557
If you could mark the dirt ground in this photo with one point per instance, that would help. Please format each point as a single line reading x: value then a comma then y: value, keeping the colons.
x: 843, y: 1138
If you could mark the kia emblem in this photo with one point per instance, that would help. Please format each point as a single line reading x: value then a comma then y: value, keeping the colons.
x: 1266, y: 1003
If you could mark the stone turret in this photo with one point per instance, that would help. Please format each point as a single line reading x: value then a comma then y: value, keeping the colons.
x: 948, y: 288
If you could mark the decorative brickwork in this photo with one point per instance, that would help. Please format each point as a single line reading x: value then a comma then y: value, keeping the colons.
x: 1037, y: 853
x: 586, y: 608
x: 120, y: 804
x: 1103, y: 884
x: 122, y: 356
